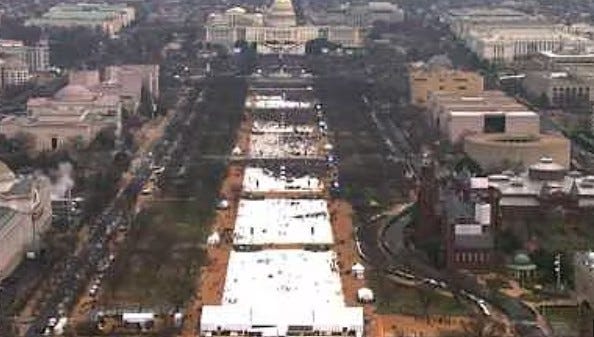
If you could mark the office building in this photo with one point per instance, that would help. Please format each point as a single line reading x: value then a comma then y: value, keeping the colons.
x: 507, y: 44
x: 490, y: 112
x: 496, y: 151
x: 365, y: 15
x: 36, y: 56
x: 503, y: 35
x: 462, y: 20
x: 25, y: 214
x: 110, y: 18
x: 544, y: 184
x: 559, y: 88
x: 425, y: 78
x: 14, y: 71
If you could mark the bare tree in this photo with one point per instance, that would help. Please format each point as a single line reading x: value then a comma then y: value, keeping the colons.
x: 426, y: 298
x: 478, y: 326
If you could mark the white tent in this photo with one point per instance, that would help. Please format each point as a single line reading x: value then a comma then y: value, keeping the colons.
x: 213, y: 239
x: 223, y: 204
x: 236, y: 151
x: 328, y: 147
x: 365, y: 295
x: 138, y: 317
x: 358, y: 270
x: 178, y: 319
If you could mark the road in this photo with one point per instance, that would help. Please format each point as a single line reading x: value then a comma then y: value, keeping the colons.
x: 78, y: 269
x: 381, y: 240
x: 394, y: 138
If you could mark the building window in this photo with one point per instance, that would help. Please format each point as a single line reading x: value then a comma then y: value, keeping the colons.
x: 462, y: 87
x: 54, y: 143
x: 494, y: 124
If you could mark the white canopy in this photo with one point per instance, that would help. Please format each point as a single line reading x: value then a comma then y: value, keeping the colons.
x: 358, y: 268
x: 138, y: 317
x: 365, y: 295
x: 213, y: 239
x: 236, y: 151
x: 223, y: 204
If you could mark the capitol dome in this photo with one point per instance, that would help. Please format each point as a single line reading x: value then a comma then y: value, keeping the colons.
x: 281, y: 14
x: 74, y: 92
x: 236, y: 10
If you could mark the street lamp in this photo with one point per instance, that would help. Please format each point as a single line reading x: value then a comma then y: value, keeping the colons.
x: 557, y: 269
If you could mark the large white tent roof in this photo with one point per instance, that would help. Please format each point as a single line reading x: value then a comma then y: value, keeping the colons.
x: 274, y: 102
x: 261, y: 180
x: 276, y: 321
x: 279, y: 145
x: 272, y: 278
x: 268, y: 291
x: 282, y: 221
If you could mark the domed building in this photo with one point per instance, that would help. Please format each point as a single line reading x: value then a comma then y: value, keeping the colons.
x: 73, y: 114
x: 521, y: 267
x: 25, y: 213
x: 281, y: 14
x: 90, y: 103
x: 276, y: 30
x: 73, y: 93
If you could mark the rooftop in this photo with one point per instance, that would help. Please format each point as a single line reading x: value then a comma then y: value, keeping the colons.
x: 489, y: 100
x: 543, y: 178
x: 275, y: 102
x: 482, y: 240
x: 273, y: 278
x: 74, y: 92
x: 548, y: 32
x: 282, y: 145
x: 264, y: 180
x: 282, y: 221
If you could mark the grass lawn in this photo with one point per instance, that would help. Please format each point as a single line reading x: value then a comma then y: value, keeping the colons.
x: 564, y: 320
x: 159, y: 264
x: 392, y: 298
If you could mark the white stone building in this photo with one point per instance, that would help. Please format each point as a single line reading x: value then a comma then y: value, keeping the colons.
x: 87, y: 105
x: 491, y: 112
x: 503, y: 35
x: 25, y: 213
x: 36, y: 56
x: 110, y: 18
x: 73, y: 115
x: 275, y: 31
x: 506, y: 44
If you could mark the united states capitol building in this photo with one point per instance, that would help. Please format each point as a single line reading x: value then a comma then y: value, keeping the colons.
x: 275, y: 30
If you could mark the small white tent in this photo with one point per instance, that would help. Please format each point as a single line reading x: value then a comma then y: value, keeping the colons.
x: 223, y: 204
x: 358, y: 270
x: 213, y: 239
x: 236, y: 151
x: 365, y: 295
x: 138, y: 317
